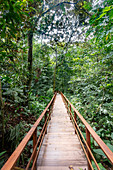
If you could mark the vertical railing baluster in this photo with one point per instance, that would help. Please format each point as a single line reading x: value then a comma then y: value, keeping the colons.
x: 34, y: 143
x: 70, y: 111
x: 67, y: 106
x: 75, y: 117
x: 89, y: 144
x: 49, y: 113
x: 46, y: 123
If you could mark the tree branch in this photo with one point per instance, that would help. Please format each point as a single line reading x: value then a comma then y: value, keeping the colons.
x: 54, y: 6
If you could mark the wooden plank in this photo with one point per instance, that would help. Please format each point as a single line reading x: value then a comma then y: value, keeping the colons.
x: 61, y: 146
x: 63, y: 163
x: 61, y: 167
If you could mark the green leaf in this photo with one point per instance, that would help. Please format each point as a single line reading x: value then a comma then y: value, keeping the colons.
x: 2, y: 153
x: 99, y: 164
x: 99, y: 152
x: 101, y: 16
x: 101, y: 167
x: 108, y: 8
x: 95, y: 143
x: 111, y: 14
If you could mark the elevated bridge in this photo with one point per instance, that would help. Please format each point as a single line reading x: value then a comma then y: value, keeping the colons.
x: 61, y: 144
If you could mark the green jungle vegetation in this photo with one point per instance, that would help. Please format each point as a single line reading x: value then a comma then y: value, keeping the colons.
x: 48, y: 46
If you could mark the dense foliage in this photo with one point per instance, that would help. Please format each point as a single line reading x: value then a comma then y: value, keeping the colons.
x: 49, y: 46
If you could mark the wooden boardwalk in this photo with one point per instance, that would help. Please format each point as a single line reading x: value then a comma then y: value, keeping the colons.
x: 61, y: 149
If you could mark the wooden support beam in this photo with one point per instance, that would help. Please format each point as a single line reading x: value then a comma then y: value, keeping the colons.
x: 75, y: 117
x: 34, y: 144
x: 70, y: 111
x: 89, y: 144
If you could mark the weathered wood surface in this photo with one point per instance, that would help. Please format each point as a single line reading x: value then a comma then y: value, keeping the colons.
x: 61, y: 149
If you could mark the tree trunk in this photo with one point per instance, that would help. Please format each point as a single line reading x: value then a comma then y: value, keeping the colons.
x: 30, y: 59
x: 54, y: 79
x: 2, y: 114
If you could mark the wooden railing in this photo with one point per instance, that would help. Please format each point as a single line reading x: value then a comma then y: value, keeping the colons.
x: 11, y: 164
x: 86, y: 144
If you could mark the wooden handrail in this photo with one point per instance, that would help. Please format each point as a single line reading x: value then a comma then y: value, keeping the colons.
x: 16, y: 154
x: 102, y: 145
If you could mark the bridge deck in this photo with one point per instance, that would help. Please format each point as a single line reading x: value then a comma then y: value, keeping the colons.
x: 61, y: 149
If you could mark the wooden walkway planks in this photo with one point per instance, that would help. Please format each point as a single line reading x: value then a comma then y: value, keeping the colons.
x: 61, y: 148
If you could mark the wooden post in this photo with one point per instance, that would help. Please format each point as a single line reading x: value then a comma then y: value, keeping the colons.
x: 50, y: 113
x: 89, y: 144
x: 75, y: 117
x: 67, y: 106
x: 46, y: 122
x: 34, y: 143
x: 70, y: 111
